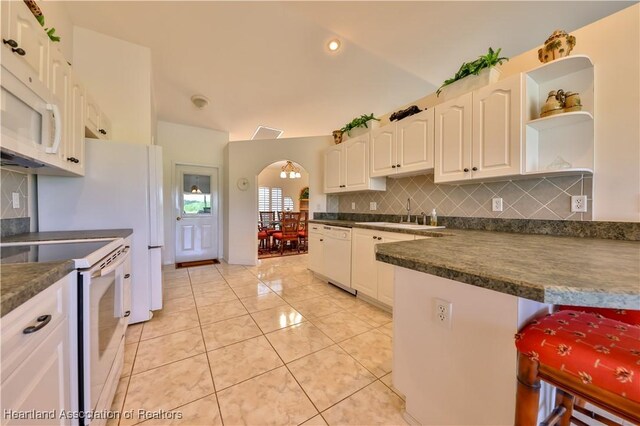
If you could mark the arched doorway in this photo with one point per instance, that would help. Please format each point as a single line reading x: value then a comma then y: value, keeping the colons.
x: 283, y: 199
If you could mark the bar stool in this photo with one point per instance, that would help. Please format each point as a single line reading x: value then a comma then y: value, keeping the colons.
x: 584, y: 355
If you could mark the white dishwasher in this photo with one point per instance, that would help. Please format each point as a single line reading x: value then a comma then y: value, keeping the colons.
x: 337, y: 255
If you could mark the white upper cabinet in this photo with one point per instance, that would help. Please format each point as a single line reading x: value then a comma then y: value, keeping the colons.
x: 415, y: 136
x: 75, y: 142
x: 333, y: 169
x: 497, y: 129
x: 453, y: 139
x: 479, y: 134
x: 403, y: 147
x: 97, y: 123
x: 23, y: 36
x: 356, y: 163
x: 346, y: 167
x: 383, y: 151
x: 59, y: 84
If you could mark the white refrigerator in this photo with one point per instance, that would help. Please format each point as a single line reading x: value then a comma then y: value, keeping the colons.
x: 122, y: 188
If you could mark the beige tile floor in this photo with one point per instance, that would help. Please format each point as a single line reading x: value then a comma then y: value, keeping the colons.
x: 269, y: 344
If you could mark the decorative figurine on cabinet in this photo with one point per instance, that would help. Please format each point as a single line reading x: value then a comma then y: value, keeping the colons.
x: 558, y: 45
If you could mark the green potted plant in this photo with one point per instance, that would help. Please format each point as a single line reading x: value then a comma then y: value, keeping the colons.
x: 365, y: 121
x: 304, y: 194
x: 473, y: 75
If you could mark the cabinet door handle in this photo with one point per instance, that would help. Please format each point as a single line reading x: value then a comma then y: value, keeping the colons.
x: 19, y: 50
x: 321, y: 240
x: 397, y: 165
x: 10, y: 42
x: 393, y: 166
x: 475, y: 169
x: 379, y: 238
x: 42, y: 320
x: 466, y: 170
x: 127, y: 313
x: 374, y: 237
x: 127, y: 275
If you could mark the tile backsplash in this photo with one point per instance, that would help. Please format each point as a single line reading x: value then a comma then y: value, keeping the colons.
x: 13, y: 182
x: 541, y: 198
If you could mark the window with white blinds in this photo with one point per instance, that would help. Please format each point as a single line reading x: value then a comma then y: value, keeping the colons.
x: 288, y: 204
x: 264, y: 204
x: 276, y: 199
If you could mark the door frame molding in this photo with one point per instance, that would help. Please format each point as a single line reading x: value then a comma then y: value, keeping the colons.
x: 175, y: 208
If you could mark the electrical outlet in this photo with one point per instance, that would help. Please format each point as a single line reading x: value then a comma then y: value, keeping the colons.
x: 442, y: 312
x: 353, y: 206
x: 496, y: 204
x: 578, y: 203
x: 15, y: 200
x: 373, y: 205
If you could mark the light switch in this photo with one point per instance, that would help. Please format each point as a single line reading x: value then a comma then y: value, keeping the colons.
x: 373, y: 205
x: 15, y: 200
x: 353, y: 206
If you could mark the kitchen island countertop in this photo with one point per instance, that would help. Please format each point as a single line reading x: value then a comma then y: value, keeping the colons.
x: 544, y: 268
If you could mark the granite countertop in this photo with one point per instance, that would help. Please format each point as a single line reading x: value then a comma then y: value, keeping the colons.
x: 68, y: 235
x: 22, y: 281
x: 550, y: 269
x: 350, y: 224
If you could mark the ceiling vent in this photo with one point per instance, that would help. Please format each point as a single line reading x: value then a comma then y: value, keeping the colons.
x: 263, y: 132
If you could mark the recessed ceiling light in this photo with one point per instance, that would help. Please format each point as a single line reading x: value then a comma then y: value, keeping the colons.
x: 200, y: 101
x: 334, y: 45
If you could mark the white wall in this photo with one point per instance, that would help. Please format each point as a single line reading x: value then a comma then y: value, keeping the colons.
x: 247, y: 159
x: 56, y: 16
x: 117, y: 74
x: 290, y: 187
x: 613, y: 44
x: 193, y: 146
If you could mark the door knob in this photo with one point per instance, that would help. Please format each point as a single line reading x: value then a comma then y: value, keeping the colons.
x: 178, y: 218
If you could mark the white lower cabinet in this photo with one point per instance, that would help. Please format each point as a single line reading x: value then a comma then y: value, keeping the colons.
x: 316, y: 249
x: 373, y: 278
x: 37, y: 365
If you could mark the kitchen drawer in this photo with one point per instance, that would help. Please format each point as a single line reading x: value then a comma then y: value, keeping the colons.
x: 15, y: 344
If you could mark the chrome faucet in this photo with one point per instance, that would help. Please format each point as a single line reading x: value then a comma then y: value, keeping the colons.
x: 408, y: 209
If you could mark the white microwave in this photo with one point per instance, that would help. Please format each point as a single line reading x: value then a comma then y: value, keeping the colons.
x: 30, y: 123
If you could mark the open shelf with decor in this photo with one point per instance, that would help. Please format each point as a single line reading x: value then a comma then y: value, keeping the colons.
x: 562, y: 143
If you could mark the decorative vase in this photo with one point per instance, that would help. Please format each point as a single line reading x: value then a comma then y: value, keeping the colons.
x: 552, y: 106
x: 337, y: 136
x: 572, y: 102
x: 469, y: 83
x: 558, y: 45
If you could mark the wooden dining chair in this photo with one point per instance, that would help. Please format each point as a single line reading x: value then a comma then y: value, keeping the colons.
x: 302, y: 230
x: 288, y: 230
x: 268, y: 222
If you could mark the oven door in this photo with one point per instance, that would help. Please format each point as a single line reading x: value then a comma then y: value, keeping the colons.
x: 104, y: 325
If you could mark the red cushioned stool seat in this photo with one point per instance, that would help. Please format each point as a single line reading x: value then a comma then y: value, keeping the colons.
x: 598, y: 354
x: 625, y: 315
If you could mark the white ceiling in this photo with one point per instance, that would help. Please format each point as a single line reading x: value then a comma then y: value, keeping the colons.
x: 266, y: 63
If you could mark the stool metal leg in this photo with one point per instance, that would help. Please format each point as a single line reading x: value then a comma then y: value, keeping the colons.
x: 528, y: 392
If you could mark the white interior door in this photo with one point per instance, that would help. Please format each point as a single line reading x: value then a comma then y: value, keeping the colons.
x: 196, y: 195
